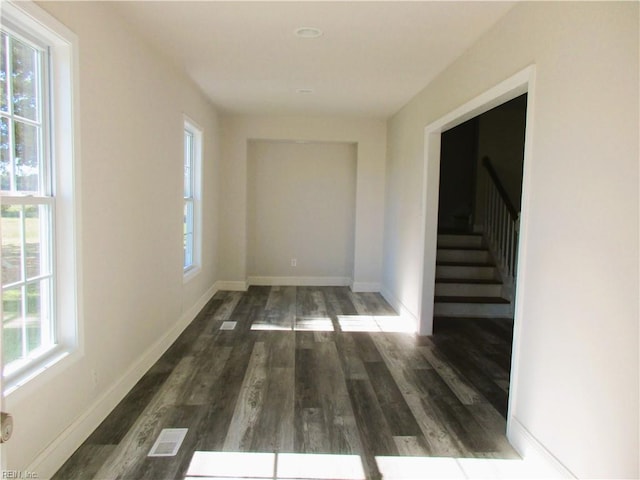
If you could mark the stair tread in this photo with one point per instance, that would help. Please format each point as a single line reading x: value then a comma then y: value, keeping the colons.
x: 457, y: 319
x: 470, y: 281
x: 462, y: 249
x: 465, y: 264
x: 456, y: 233
x: 455, y: 299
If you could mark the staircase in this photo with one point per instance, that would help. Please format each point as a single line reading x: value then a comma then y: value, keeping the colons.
x: 468, y: 281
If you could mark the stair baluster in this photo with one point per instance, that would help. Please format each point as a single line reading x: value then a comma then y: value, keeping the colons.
x: 501, y: 224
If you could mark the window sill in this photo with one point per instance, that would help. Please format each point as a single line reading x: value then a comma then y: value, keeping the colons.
x: 34, y: 368
x: 190, y: 274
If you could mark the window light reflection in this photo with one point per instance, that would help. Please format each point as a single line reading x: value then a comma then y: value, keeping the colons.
x: 256, y: 466
x: 301, y: 324
x: 314, y: 324
x: 307, y: 466
x: 348, y: 323
x: 375, y: 323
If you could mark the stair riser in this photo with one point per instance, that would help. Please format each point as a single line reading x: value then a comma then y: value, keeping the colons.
x: 480, y: 310
x: 468, y: 241
x: 467, y: 290
x: 472, y: 273
x: 463, y: 256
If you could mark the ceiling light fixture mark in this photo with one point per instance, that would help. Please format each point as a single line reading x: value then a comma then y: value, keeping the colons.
x: 308, y: 32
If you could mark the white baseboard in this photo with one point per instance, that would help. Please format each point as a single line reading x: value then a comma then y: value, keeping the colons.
x: 230, y: 285
x: 301, y: 281
x: 543, y: 463
x: 400, y: 307
x: 363, y: 287
x: 49, y: 461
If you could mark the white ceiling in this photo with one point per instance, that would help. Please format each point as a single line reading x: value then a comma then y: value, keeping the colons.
x: 372, y: 58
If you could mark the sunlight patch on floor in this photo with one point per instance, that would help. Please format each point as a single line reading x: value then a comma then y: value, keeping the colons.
x: 231, y: 465
x: 319, y: 466
x: 418, y: 467
x: 313, y: 324
x: 249, y: 465
x: 375, y: 323
x: 414, y: 468
x: 347, y: 323
x: 307, y: 466
x: 300, y: 324
x: 270, y: 327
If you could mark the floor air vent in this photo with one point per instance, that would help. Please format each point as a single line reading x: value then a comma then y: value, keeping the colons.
x: 168, y: 442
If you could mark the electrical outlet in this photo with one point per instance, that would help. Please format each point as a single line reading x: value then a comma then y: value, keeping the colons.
x: 294, y: 262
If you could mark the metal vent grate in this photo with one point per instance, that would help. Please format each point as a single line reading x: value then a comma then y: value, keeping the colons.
x: 168, y: 442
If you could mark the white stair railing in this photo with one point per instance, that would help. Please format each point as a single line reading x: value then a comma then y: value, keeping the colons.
x: 501, y: 223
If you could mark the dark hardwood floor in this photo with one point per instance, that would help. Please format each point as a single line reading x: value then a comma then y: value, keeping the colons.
x: 315, y: 370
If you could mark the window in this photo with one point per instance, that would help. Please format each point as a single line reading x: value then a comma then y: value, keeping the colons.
x: 39, y: 307
x: 27, y: 200
x: 191, y: 223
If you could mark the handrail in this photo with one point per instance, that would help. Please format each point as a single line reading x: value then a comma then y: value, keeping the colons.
x: 486, y: 162
x: 501, y: 225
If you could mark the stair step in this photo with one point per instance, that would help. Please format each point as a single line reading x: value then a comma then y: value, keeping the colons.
x: 444, y: 318
x: 467, y: 281
x: 474, y: 310
x: 468, y: 289
x: 462, y: 299
x: 463, y: 255
x: 474, y: 272
x: 482, y: 281
x: 466, y: 264
x: 460, y: 240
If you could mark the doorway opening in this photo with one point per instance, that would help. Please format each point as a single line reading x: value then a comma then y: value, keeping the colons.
x: 522, y: 83
x: 479, y: 206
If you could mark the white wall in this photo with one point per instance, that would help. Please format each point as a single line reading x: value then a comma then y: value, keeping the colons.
x: 370, y: 137
x: 131, y: 120
x: 301, y: 205
x: 576, y: 394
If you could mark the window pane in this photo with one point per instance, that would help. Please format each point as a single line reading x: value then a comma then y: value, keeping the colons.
x: 5, y: 157
x: 36, y: 220
x: 188, y: 163
x: 188, y: 234
x: 188, y: 250
x: 26, y: 155
x: 4, y: 92
x: 35, y: 316
x: 12, y: 324
x: 24, y: 80
x: 188, y: 217
x: 11, y: 244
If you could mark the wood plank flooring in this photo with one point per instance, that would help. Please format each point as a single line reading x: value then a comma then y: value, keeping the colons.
x: 271, y: 370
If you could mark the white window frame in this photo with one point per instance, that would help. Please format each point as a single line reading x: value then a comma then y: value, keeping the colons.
x: 63, y: 146
x: 41, y: 197
x: 194, y: 197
